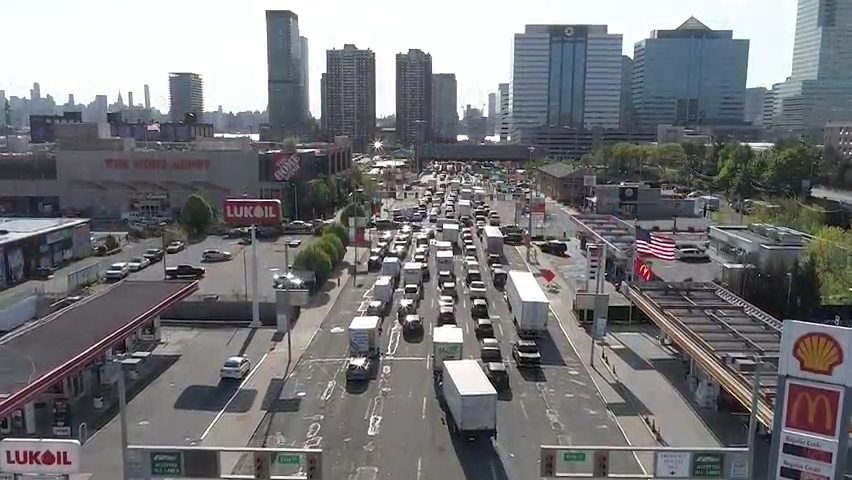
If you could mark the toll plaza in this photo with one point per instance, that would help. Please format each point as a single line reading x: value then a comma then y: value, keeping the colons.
x: 57, y: 368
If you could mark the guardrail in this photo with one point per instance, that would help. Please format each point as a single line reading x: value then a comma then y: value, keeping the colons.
x: 735, y: 384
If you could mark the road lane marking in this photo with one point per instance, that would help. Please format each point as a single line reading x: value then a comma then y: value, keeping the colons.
x: 423, y: 409
x: 221, y: 412
x: 499, y: 329
x: 393, y: 341
x: 329, y: 389
x: 591, y: 377
x: 420, y: 468
x: 429, y: 362
x: 524, y: 410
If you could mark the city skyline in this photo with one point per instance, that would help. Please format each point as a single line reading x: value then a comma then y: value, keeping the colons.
x: 234, y: 64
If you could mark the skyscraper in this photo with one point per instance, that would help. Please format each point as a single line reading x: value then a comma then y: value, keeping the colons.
x: 349, y: 100
x: 413, y: 96
x: 503, y: 94
x: 284, y: 72
x: 306, y: 67
x: 691, y: 75
x: 129, y: 99
x: 565, y: 76
x: 147, y: 93
x: 186, y: 95
x: 445, y: 99
x: 492, y: 114
x: 755, y: 99
x: 324, y: 103
x: 819, y: 89
x: 626, y: 120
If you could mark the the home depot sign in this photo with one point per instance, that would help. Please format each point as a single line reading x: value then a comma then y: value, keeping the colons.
x: 51, y: 457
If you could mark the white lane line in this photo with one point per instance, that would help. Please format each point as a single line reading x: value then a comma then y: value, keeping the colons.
x: 420, y: 468
x: 591, y: 376
x: 221, y: 412
x: 499, y: 329
x: 423, y: 409
x: 524, y: 410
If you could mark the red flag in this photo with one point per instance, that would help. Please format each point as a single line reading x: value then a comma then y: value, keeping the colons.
x: 643, y: 270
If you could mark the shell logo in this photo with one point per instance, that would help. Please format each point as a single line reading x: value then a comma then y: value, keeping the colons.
x: 817, y: 353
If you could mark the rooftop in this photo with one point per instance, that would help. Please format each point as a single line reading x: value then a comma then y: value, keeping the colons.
x: 558, y: 170
x: 762, y: 235
x: 13, y: 229
x: 32, y: 353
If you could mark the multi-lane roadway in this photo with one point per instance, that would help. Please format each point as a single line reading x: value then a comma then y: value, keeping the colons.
x: 394, y: 427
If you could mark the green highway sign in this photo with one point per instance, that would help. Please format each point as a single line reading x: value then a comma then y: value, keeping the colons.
x: 288, y: 459
x: 166, y: 464
x: 707, y: 465
x: 574, y: 457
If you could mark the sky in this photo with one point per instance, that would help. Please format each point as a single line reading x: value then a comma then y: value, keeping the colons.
x: 89, y: 47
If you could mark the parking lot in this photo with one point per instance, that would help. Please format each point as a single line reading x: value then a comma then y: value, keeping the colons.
x: 393, y: 427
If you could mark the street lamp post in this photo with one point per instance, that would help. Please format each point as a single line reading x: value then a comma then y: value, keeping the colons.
x: 530, y: 223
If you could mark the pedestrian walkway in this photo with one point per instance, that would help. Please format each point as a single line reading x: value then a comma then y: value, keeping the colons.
x: 636, y: 380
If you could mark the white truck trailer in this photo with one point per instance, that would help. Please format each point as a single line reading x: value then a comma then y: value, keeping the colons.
x: 493, y: 240
x: 447, y: 344
x: 364, y: 338
x: 470, y: 399
x: 392, y: 267
x: 528, y: 303
x: 412, y: 276
x: 463, y: 208
x: 444, y: 261
x: 451, y: 232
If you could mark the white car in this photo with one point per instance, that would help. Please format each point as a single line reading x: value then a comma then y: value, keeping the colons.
x: 446, y: 301
x: 175, y: 247
x: 215, y: 256
x: 138, y: 263
x: 691, y: 253
x: 235, y: 368
x: 117, y: 271
x: 478, y: 290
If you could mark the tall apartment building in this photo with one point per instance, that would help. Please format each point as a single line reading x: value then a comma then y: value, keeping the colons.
x: 445, y: 98
x: 755, y: 99
x: 626, y: 118
x: 769, y: 106
x: 350, y: 95
x: 413, y: 97
x: 492, y: 114
x: 819, y: 89
x: 146, y: 91
x: 284, y: 74
x: 565, y: 76
x: 503, y: 105
x: 306, y: 76
x: 688, y: 76
x: 323, y: 103
x: 186, y: 95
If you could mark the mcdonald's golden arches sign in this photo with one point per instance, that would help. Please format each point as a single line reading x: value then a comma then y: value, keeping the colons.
x: 812, y: 409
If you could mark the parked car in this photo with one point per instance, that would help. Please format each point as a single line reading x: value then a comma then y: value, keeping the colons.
x: 138, y: 263
x: 215, y: 256
x: 117, y: 271
x: 154, y: 255
x: 554, y: 247
x: 175, y: 247
x: 235, y: 368
x: 694, y: 254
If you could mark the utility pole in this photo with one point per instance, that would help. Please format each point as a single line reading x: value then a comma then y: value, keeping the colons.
x: 530, y: 210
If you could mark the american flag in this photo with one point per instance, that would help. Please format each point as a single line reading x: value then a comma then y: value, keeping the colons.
x: 285, y: 166
x: 648, y: 243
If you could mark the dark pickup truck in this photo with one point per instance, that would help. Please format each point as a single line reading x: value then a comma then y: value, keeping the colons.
x: 185, y: 271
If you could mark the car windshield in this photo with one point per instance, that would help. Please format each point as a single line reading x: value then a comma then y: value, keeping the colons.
x: 152, y: 251
x: 410, y: 289
x: 136, y: 260
x: 528, y: 348
x: 232, y: 363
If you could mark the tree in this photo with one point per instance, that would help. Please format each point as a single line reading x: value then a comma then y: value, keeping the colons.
x: 829, y: 251
x: 110, y: 243
x: 354, y: 209
x: 314, y: 259
x: 196, y: 215
x: 736, y: 170
x: 338, y: 230
x: 789, y: 165
x: 319, y: 197
x: 333, y: 246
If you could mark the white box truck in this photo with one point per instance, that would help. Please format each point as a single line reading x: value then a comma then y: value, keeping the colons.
x: 442, y: 246
x: 470, y: 399
x: 463, y: 208
x: 383, y: 289
x: 447, y: 344
x: 528, y: 303
x: 412, y: 281
x: 466, y: 194
x: 392, y: 267
x: 451, y: 232
x: 493, y: 240
x: 364, y: 338
x: 444, y: 261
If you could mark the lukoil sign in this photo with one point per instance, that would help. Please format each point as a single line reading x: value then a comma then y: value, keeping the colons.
x: 51, y: 457
x: 243, y: 211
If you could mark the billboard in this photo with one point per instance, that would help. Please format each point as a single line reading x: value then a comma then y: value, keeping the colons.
x: 285, y: 166
x: 246, y: 211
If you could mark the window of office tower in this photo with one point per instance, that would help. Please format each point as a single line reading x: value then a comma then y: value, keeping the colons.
x: 567, y: 83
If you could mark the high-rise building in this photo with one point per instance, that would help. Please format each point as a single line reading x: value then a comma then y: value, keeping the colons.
x: 565, y: 76
x: 284, y: 71
x: 323, y: 103
x: 129, y: 99
x: 306, y: 68
x: 819, y: 89
x: 626, y: 120
x: 186, y: 95
x: 35, y: 92
x: 492, y: 114
x: 413, y: 97
x: 755, y: 99
x: 769, y: 106
x: 349, y: 95
x: 147, y: 93
x: 691, y: 75
x: 445, y: 98
x: 503, y: 94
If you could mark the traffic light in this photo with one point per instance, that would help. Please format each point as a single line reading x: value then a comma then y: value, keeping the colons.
x: 547, y: 465
x: 261, y: 465
x: 600, y: 467
x: 313, y: 465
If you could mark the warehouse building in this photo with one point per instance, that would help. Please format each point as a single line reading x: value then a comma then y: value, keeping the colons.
x: 32, y: 247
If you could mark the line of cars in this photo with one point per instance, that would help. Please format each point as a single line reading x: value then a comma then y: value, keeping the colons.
x: 121, y: 270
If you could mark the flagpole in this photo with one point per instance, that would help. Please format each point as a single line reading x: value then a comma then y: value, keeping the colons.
x: 632, y: 278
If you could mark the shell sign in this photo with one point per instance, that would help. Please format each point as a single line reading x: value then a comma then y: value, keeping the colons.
x: 816, y: 352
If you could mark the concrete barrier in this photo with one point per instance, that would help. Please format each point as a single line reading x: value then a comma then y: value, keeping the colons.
x: 83, y: 277
x: 220, y: 311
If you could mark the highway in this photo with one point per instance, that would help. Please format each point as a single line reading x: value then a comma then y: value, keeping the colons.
x: 395, y: 429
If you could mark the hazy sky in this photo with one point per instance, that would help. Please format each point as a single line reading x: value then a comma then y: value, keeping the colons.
x: 87, y: 47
